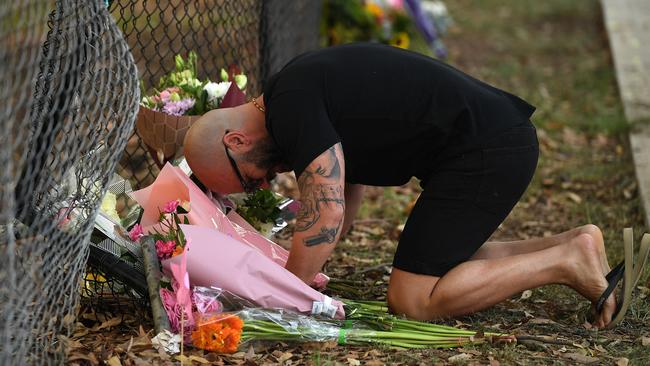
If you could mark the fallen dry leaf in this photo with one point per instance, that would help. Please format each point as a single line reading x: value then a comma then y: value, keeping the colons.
x: 183, y: 359
x: 250, y: 353
x: 374, y: 363
x: 284, y: 356
x: 645, y: 341
x: 474, y: 352
x: 353, y: 362
x: 600, y: 348
x: 526, y: 295
x: 70, y: 344
x: 540, y: 321
x: 199, y: 359
x: 574, y: 197
x: 90, y: 357
x: 622, y: 361
x: 108, y: 324
x: 459, y: 357
x: 578, y: 357
x: 243, y: 354
x: 114, y: 361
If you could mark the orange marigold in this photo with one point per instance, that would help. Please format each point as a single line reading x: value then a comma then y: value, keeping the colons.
x: 177, y: 251
x: 376, y: 11
x: 219, y: 333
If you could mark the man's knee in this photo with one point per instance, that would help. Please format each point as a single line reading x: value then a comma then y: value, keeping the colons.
x: 409, y: 295
x: 404, y: 306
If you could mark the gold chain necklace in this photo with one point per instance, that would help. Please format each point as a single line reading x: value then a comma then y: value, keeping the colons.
x: 258, y: 106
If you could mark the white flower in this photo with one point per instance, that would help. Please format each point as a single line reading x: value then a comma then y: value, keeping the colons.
x: 216, y: 90
x: 435, y: 8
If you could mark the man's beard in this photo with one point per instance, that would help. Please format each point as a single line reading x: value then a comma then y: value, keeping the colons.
x: 265, y: 155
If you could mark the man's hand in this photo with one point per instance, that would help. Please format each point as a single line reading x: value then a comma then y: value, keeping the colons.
x: 322, y: 210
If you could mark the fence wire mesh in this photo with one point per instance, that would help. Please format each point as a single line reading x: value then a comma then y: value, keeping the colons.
x: 70, y: 89
x: 71, y: 93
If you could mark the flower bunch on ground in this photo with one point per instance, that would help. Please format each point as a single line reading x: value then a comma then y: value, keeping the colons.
x: 218, y: 333
x: 260, y: 209
x: 346, y: 21
x: 409, y: 24
x: 169, y: 237
x: 368, y: 323
x: 182, y: 93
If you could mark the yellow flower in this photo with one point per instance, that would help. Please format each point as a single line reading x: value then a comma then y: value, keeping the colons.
x: 400, y: 40
x: 108, y: 206
x: 375, y: 10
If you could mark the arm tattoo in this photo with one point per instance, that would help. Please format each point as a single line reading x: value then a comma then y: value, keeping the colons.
x: 327, y: 235
x: 315, y: 196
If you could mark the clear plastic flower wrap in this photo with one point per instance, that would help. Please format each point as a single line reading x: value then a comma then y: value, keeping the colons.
x: 368, y: 324
x: 228, y: 332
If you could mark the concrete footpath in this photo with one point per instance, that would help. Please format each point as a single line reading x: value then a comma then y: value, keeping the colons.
x: 628, y: 26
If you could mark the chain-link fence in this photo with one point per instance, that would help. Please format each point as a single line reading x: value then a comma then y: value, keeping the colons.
x: 70, y: 93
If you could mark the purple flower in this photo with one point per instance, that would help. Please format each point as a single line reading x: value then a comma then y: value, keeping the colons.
x: 178, y: 108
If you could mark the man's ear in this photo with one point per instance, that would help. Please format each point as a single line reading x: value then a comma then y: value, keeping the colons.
x: 237, y: 141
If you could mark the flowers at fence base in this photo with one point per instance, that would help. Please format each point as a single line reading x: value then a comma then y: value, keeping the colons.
x: 165, y: 249
x: 218, y: 333
x: 383, y: 21
x: 169, y: 239
x: 171, y: 206
x: 168, y: 299
x: 205, y: 301
x: 376, y: 11
x: 181, y: 93
x: 178, y: 108
x: 400, y: 40
x: 109, y: 202
x: 136, y: 233
x: 202, y: 300
x: 260, y: 208
x: 216, y: 90
x: 365, y: 20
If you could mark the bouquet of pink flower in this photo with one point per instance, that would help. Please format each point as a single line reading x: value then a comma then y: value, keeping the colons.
x: 226, y: 251
x: 169, y: 238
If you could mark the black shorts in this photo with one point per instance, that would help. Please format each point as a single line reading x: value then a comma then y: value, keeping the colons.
x: 464, y: 200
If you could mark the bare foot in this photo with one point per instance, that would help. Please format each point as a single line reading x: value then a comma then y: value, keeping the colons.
x: 587, y: 277
x: 597, y: 236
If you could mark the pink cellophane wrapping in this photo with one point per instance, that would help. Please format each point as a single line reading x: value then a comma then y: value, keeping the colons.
x: 216, y: 259
x: 172, y: 184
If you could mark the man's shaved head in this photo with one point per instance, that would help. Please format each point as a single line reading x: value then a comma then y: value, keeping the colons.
x: 205, y: 152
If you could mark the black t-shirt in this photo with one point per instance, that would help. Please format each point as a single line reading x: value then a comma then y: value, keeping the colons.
x: 393, y: 111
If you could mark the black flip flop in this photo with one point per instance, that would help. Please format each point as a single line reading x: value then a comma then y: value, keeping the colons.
x: 613, y: 278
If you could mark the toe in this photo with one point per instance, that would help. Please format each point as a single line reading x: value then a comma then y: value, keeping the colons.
x: 608, y: 311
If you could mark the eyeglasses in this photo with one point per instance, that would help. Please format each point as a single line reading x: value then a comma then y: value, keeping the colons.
x: 248, y: 186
